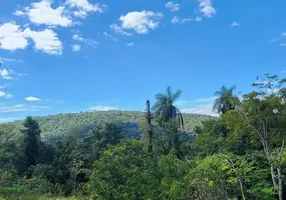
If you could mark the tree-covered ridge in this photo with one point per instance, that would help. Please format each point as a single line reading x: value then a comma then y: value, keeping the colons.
x: 63, y: 124
x: 240, y: 155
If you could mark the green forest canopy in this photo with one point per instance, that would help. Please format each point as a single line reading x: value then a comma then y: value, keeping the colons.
x: 157, y: 155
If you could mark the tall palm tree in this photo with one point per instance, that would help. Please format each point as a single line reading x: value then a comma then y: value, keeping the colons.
x: 226, y: 100
x: 164, y: 106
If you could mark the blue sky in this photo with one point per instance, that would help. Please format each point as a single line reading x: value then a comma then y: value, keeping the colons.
x: 83, y: 55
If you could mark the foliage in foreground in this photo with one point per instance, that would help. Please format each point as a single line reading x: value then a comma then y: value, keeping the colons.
x: 240, y: 155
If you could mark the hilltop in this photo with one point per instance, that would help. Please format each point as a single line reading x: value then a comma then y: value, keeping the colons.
x: 62, y: 124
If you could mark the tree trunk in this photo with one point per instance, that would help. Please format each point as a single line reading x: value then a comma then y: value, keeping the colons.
x: 273, y: 177
x: 241, y: 189
x: 280, y: 184
x: 149, y: 129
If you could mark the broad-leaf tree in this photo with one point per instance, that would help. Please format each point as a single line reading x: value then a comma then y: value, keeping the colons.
x: 264, y: 110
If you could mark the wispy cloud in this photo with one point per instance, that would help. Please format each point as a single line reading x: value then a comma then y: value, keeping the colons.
x: 234, y: 24
x: 84, y: 8
x: 198, y: 106
x: 6, y: 60
x: 5, y: 95
x: 5, y: 74
x: 76, y: 48
x: 174, y: 7
x: 206, y: 7
x: 107, y: 35
x: 3, y: 86
x: 20, y: 108
x: 130, y: 44
x: 273, y: 40
x: 176, y: 20
x: 203, y: 109
x: 9, y: 74
x: 119, y: 30
x: 85, y: 41
x: 9, y: 119
x: 206, y: 100
x: 103, y: 108
x: 31, y: 98
x: 198, y: 19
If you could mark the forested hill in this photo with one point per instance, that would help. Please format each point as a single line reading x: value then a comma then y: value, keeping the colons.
x: 62, y: 124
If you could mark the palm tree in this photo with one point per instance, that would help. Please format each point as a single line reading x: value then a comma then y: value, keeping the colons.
x: 225, y: 100
x: 164, y: 107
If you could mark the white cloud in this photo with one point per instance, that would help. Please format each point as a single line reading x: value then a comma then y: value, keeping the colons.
x: 3, y: 86
x: 185, y: 20
x: 5, y: 95
x: 46, y: 41
x: 5, y: 74
x: 110, y: 36
x: 198, y: 19
x: 103, y: 108
x: 198, y: 106
x: 119, y: 30
x: 174, y: 7
x: 283, y: 44
x: 20, y: 108
x: 2, y: 94
x: 177, y: 20
x: 6, y: 60
x: 273, y: 40
x: 8, y: 119
x: 76, y: 48
x: 283, y: 34
x: 206, y: 7
x: 130, y: 44
x: 32, y: 99
x: 19, y: 13
x: 86, y: 41
x: 141, y: 22
x: 12, y: 37
x: 80, y: 14
x: 42, y: 13
x: 204, y: 109
x: 234, y: 24
x: 84, y: 7
x: 8, y: 96
x: 77, y: 37
x: 206, y: 100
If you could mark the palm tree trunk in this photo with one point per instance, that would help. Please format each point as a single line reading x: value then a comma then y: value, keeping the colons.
x: 280, y: 184
x: 149, y: 129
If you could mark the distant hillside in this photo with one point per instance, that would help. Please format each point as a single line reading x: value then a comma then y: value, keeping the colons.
x: 63, y: 124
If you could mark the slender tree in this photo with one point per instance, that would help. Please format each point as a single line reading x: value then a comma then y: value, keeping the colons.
x: 31, y: 143
x: 150, y: 131
x: 164, y: 107
x: 264, y: 111
x: 225, y: 100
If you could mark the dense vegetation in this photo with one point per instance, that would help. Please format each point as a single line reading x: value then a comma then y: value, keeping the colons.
x: 54, y: 127
x: 239, y: 155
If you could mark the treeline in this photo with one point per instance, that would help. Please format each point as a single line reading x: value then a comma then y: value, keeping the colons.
x: 239, y: 155
x: 54, y: 127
